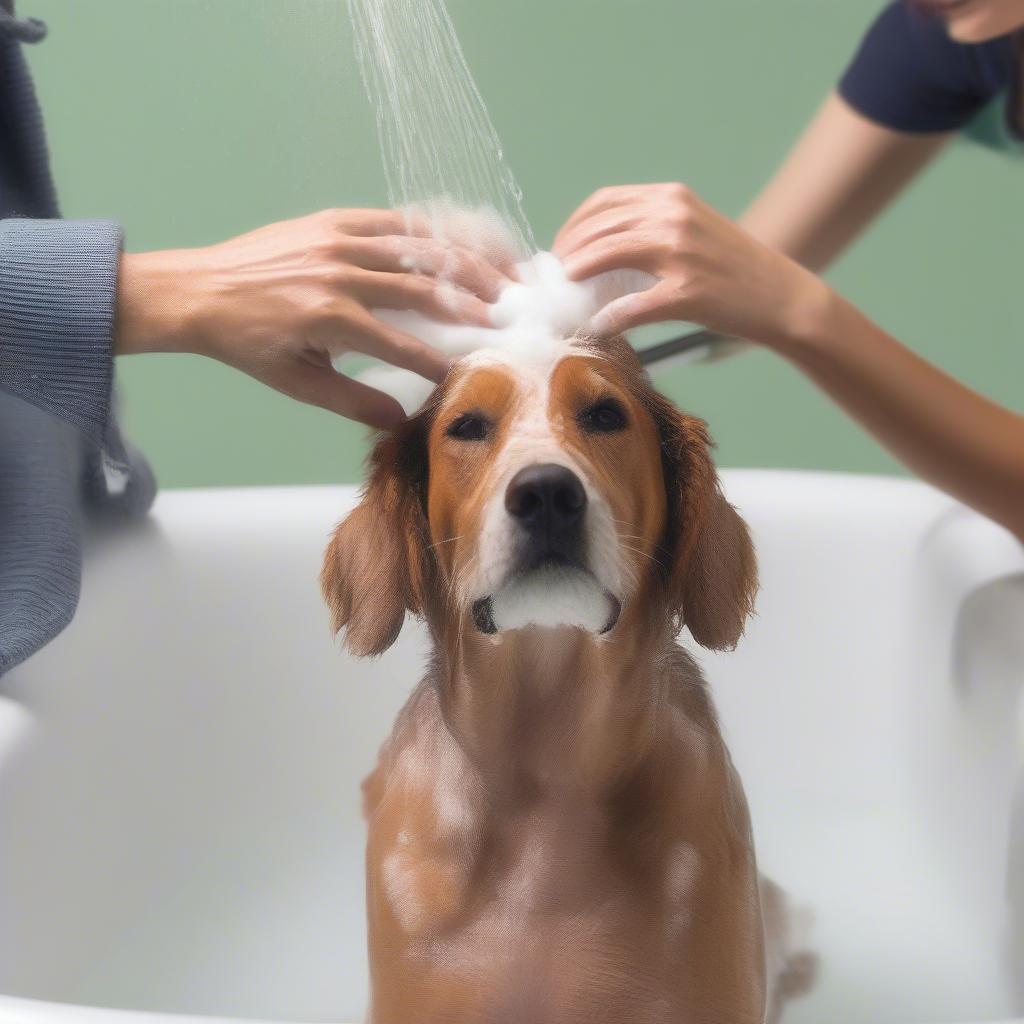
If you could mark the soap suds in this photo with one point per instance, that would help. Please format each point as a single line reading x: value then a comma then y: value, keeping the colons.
x: 542, y: 308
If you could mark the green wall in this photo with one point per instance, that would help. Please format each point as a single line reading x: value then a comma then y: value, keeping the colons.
x: 191, y: 120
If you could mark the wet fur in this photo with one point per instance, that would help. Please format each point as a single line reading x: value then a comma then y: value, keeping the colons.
x: 556, y: 830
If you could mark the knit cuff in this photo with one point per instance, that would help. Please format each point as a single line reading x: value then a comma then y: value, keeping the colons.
x: 58, y: 285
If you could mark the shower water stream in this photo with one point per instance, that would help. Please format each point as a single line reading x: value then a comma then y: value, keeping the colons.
x: 443, y: 160
x: 438, y: 144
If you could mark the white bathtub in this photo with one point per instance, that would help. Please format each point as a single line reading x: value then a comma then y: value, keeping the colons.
x: 179, y: 825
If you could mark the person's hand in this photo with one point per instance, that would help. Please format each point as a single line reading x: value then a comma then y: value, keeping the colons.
x: 280, y: 301
x: 711, y: 271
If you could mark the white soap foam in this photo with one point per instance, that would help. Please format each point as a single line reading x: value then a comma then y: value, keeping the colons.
x: 541, y: 308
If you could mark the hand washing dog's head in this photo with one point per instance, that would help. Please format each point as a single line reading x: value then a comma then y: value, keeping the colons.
x: 555, y: 489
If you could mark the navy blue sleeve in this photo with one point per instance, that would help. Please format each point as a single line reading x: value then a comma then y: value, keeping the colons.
x: 909, y: 75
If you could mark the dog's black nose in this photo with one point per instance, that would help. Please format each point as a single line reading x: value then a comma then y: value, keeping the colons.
x: 548, y: 500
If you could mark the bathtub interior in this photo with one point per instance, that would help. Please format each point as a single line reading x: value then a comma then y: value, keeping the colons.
x: 179, y: 771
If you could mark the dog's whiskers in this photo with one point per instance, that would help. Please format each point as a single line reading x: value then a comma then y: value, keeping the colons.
x: 450, y: 540
x: 456, y: 585
x: 639, y: 551
x: 622, y: 522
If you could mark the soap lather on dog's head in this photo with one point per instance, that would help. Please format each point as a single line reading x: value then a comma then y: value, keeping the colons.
x: 558, y: 491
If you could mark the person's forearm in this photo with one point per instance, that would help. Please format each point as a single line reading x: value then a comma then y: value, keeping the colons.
x: 158, y: 302
x: 943, y: 431
x: 843, y: 172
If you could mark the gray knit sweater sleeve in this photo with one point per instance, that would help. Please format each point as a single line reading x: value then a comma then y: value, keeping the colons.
x: 62, y: 459
x: 58, y: 282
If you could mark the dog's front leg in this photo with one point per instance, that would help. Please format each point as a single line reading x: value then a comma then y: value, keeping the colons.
x: 423, y: 847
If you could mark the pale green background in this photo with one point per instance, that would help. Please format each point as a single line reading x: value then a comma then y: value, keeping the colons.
x: 191, y: 120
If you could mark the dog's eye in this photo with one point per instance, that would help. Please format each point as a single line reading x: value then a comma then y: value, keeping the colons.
x: 469, y: 427
x: 604, y: 417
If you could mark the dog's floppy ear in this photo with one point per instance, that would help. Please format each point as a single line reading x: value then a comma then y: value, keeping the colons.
x: 720, y: 578
x: 712, y: 569
x: 375, y: 564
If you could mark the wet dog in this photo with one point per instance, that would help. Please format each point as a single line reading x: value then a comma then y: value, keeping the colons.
x: 556, y: 830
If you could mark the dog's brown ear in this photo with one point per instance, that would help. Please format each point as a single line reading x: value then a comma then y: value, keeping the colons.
x: 712, y: 569
x: 374, y: 565
x: 720, y: 578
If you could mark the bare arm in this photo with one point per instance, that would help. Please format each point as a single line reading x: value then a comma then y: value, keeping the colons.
x: 280, y: 302
x: 840, y: 176
x: 842, y: 173
x: 713, y: 272
x: 946, y: 433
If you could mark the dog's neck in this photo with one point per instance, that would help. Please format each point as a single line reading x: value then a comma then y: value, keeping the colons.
x: 555, y: 710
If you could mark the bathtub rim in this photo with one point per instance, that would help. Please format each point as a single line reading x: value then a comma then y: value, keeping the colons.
x: 172, y: 509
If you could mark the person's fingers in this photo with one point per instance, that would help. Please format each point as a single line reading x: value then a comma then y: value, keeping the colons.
x: 495, y: 256
x: 325, y: 387
x: 631, y: 217
x: 485, y: 273
x: 663, y: 201
x: 365, y: 223
x: 402, y: 254
x: 375, y: 338
x: 424, y: 294
x: 626, y: 250
x: 599, y: 201
x: 653, y: 306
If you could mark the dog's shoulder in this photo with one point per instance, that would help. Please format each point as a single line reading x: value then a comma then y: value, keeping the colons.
x: 691, y: 706
x: 686, y: 686
x: 415, y: 725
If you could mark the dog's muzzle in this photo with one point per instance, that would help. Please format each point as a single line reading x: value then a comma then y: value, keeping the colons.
x: 547, y: 504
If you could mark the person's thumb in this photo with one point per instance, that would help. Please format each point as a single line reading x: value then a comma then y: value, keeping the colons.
x: 325, y: 387
x: 647, y: 307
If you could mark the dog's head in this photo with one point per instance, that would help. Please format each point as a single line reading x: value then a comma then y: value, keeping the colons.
x: 560, y: 491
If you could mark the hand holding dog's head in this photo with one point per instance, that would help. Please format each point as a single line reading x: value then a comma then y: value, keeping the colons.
x: 558, y: 492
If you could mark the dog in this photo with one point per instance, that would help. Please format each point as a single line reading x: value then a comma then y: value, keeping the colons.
x: 557, y: 834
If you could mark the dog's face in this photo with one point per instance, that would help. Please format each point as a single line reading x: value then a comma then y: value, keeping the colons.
x: 549, y: 492
x: 546, y: 495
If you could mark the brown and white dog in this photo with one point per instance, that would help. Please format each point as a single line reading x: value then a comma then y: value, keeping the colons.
x: 556, y: 831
